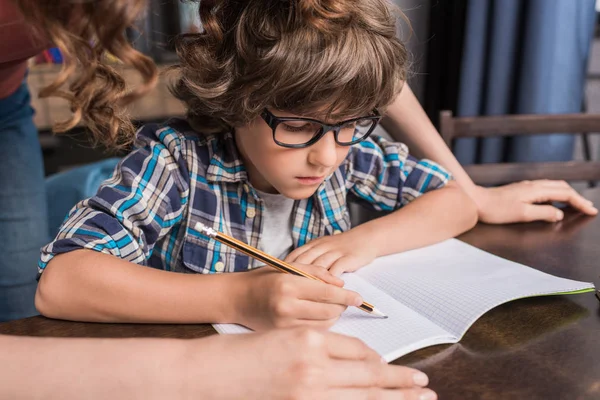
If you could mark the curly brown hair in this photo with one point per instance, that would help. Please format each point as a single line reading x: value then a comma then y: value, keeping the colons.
x: 334, y: 58
x: 86, y: 31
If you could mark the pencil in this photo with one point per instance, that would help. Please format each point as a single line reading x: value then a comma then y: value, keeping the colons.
x: 271, y: 261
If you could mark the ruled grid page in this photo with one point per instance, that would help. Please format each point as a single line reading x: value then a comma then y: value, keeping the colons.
x: 403, y: 332
x: 452, y: 283
x: 433, y: 295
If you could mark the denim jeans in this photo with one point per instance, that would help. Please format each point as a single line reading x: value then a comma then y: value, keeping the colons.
x: 23, y: 216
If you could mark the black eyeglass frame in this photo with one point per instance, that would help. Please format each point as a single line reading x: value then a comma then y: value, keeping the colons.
x: 273, y: 121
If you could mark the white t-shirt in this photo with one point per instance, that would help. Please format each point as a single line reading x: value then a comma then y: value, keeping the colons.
x: 276, y: 236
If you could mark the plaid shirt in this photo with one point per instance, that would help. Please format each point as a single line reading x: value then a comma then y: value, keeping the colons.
x: 147, y: 211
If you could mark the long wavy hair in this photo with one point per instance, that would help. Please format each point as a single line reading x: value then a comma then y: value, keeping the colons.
x: 86, y: 31
x: 334, y: 58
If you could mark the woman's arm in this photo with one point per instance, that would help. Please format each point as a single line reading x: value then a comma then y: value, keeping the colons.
x: 51, y: 368
x: 276, y: 365
x: 406, y: 121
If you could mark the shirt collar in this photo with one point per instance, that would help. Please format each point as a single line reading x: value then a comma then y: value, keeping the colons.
x: 225, y: 164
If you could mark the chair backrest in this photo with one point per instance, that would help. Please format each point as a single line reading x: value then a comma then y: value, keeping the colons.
x: 514, y: 125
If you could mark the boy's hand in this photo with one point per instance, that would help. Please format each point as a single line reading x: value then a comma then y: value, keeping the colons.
x: 271, y: 299
x: 346, y: 252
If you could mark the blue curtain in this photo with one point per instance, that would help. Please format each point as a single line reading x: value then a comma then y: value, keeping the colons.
x: 520, y: 57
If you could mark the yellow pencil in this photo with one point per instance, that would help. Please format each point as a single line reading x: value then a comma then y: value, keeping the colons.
x: 271, y: 261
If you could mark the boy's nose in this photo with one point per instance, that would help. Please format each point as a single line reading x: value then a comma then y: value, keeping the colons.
x: 324, y: 152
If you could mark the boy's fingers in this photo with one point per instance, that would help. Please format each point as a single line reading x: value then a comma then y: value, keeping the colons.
x: 325, y: 293
x: 326, y: 260
x: 321, y: 273
x: 309, y: 256
x: 297, y: 252
x: 311, y: 310
x: 337, y: 270
x: 343, y: 264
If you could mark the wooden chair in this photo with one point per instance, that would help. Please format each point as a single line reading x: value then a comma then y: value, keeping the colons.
x: 516, y: 125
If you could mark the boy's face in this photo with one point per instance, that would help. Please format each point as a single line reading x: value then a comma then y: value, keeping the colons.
x: 293, y: 172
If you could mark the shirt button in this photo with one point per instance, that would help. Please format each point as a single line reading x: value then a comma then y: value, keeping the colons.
x: 337, y: 232
x: 219, y: 266
x: 250, y: 213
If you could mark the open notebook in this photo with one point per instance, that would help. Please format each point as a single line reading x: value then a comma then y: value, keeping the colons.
x: 434, y: 294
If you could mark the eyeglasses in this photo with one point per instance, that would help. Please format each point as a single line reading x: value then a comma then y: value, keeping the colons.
x: 297, y: 133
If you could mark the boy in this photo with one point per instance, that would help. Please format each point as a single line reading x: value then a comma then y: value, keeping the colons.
x: 282, y: 98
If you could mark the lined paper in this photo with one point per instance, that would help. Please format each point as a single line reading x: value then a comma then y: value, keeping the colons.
x: 453, y: 283
x: 402, y: 332
x: 433, y: 295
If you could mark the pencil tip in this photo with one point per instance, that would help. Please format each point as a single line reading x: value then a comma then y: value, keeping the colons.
x: 385, y: 317
x: 378, y: 313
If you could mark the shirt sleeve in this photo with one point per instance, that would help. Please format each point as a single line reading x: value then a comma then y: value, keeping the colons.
x: 142, y: 201
x: 383, y: 176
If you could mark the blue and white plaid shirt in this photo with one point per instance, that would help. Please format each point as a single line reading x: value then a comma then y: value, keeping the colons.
x: 147, y: 211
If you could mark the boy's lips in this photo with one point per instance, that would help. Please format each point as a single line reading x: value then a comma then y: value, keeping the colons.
x: 310, y: 180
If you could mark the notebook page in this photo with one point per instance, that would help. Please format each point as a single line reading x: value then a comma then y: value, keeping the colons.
x: 453, y: 284
x: 404, y: 331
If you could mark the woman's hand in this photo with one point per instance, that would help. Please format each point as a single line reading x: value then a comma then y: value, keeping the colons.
x: 521, y: 202
x: 302, y: 364
x: 270, y: 299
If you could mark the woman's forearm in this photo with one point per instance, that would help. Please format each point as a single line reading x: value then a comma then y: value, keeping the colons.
x: 51, y: 368
x: 86, y: 285
x: 407, y: 122
x: 435, y: 216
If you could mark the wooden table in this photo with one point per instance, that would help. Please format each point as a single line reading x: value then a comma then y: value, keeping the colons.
x: 539, y: 348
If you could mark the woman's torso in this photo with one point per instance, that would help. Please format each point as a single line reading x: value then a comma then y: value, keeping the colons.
x: 17, y: 44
